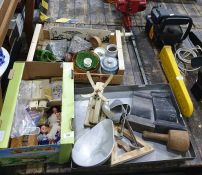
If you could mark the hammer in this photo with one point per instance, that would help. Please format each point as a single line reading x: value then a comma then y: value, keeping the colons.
x: 176, y: 140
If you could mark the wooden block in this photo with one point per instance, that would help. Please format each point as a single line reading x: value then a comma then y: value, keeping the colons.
x: 95, y: 41
x: 34, y: 42
x: 32, y: 140
x: 92, y: 109
x: 16, y: 142
x: 112, y: 39
x: 86, y: 121
x: 33, y: 104
x: 120, y: 52
x: 43, y: 104
x: 96, y: 114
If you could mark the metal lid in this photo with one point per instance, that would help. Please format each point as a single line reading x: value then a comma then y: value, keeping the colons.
x: 87, y: 62
x: 109, y: 64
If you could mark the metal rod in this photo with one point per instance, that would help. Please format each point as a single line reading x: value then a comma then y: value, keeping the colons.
x: 135, y: 143
x: 138, y: 58
x: 124, y: 119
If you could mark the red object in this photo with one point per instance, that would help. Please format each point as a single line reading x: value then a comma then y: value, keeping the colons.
x: 128, y: 8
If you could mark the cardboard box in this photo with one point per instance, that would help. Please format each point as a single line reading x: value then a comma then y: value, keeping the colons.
x: 42, y: 153
x: 41, y: 35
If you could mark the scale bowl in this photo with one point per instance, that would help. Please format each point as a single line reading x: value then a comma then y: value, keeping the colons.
x: 94, y: 147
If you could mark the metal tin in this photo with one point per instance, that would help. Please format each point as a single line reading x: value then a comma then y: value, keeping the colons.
x: 95, y: 146
x: 126, y: 95
x: 101, y: 52
x: 112, y: 50
x: 109, y: 65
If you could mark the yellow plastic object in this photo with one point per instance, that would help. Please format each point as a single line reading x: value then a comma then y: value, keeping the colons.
x: 176, y: 81
x: 62, y: 20
x: 43, y: 10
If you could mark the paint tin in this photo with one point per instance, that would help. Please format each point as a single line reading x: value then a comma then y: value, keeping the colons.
x: 109, y: 65
x: 112, y: 50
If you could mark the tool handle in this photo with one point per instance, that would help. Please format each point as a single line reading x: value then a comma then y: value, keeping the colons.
x: 123, y: 145
x: 178, y: 20
x: 155, y: 136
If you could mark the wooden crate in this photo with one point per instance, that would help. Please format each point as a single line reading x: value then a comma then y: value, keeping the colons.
x: 41, y: 35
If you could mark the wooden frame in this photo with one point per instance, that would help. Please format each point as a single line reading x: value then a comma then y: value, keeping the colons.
x: 40, y: 35
x: 119, y: 159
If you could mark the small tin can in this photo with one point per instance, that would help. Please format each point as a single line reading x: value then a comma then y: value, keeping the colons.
x: 109, y: 65
x: 112, y: 50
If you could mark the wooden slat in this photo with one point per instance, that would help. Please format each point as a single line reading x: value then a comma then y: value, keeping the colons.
x: 81, y: 11
x: 34, y: 42
x: 97, y: 15
x: 6, y: 20
x: 66, y: 6
x: 54, y: 9
x: 28, y: 24
x: 111, y: 15
x: 3, y: 8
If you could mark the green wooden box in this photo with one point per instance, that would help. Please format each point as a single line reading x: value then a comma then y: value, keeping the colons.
x: 41, y: 153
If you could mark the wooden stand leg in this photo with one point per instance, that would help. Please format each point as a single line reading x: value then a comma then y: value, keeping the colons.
x: 29, y: 13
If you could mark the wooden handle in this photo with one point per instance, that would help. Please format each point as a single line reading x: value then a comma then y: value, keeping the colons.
x: 155, y: 136
x: 123, y: 145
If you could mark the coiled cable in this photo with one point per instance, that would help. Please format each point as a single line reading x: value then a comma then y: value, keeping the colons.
x: 184, y: 56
